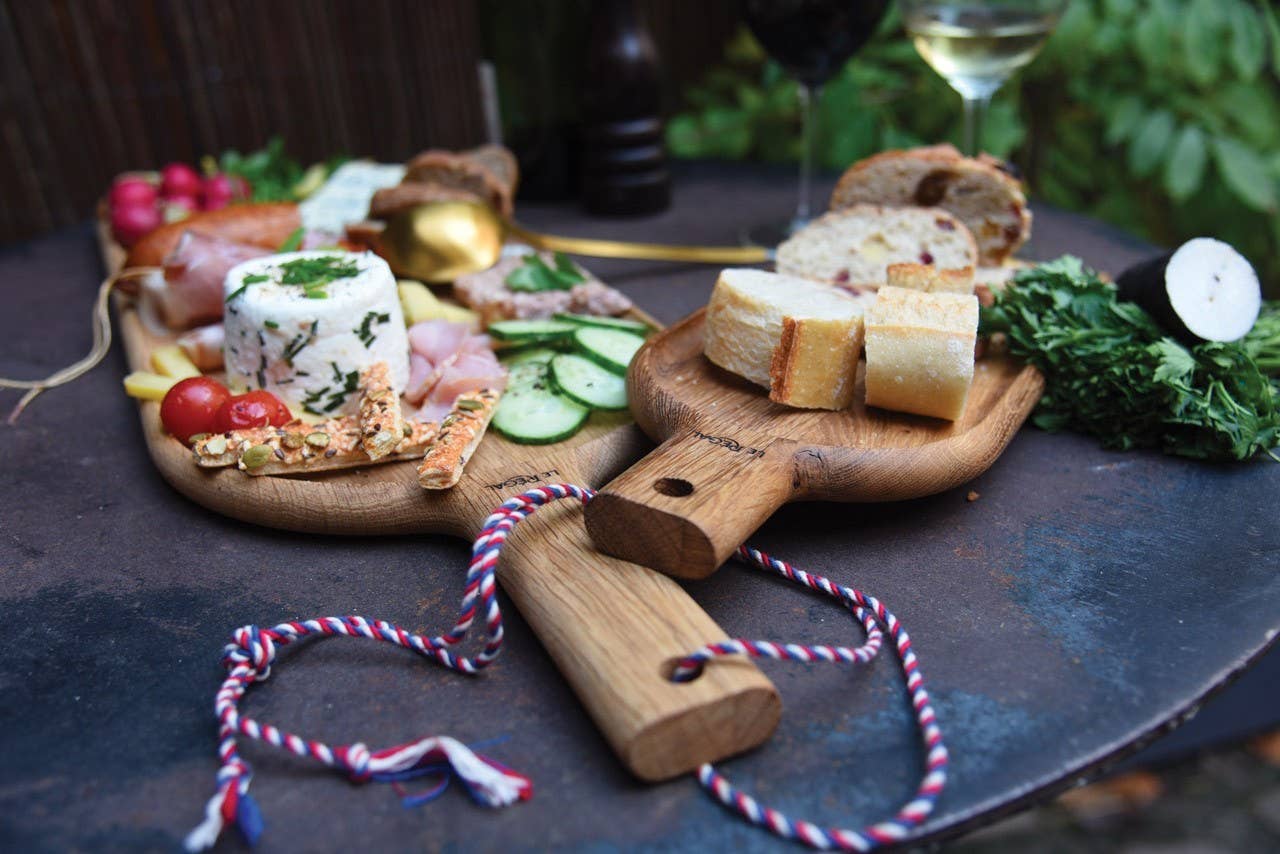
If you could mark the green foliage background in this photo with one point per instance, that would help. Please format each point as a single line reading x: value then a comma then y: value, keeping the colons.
x: 1160, y: 116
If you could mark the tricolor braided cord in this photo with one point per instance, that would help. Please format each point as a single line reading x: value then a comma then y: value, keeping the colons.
x: 248, y: 659
x: 870, y: 612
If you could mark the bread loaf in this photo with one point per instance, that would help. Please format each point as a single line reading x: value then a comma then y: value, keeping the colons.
x: 745, y: 321
x: 930, y: 279
x: 854, y: 246
x: 815, y: 363
x: 979, y: 191
x: 920, y: 351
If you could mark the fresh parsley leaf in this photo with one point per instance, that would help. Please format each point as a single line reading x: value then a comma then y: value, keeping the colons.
x: 1112, y: 373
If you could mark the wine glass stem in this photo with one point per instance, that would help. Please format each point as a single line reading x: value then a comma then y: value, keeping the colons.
x: 809, y: 96
x: 975, y: 113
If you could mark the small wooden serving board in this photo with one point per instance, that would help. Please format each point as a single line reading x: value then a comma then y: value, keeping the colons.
x: 730, y: 457
x: 612, y: 627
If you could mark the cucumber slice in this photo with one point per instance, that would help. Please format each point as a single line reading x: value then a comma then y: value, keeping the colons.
x: 635, y: 327
x: 530, y: 330
x: 583, y: 381
x: 533, y: 354
x: 527, y: 375
x: 530, y: 415
x: 611, y: 348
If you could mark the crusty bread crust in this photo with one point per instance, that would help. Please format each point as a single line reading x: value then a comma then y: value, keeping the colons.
x: 979, y: 191
x: 815, y: 364
x: 927, y: 278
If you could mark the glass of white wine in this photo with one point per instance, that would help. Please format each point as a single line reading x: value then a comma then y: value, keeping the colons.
x: 976, y: 45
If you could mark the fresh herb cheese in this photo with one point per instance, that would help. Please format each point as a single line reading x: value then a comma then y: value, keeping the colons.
x: 304, y: 324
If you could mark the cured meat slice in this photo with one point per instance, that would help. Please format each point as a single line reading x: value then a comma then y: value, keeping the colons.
x: 193, y: 276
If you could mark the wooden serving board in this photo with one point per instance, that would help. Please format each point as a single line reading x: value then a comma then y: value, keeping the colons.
x: 613, y: 628
x: 730, y: 457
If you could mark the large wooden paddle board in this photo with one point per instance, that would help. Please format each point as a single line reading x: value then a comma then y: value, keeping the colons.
x: 612, y: 627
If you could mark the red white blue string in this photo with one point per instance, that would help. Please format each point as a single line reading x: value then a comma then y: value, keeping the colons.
x: 250, y: 655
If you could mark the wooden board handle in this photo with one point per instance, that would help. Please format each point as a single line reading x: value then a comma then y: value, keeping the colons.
x: 614, y: 630
x: 688, y: 505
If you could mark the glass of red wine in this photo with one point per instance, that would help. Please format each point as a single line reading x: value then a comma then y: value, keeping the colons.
x: 812, y: 40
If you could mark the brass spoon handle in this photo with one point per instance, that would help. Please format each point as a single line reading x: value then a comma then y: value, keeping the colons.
x: 641, y: 251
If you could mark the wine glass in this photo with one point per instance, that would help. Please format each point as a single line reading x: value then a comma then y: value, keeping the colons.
x: 811, y: 39
x: 976, y: 45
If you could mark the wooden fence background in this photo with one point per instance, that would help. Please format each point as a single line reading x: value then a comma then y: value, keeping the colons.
x: 90, y: 88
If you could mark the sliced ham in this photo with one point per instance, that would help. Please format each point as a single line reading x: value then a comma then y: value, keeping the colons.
x: 203, y: 346
x: 447, y: 360
x: 437, y: 340
x: 193, y: 274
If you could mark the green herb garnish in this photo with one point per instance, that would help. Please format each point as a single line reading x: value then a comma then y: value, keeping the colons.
x: 312, y: 274
x: 296, y: 345
x: 535, y: 275
x: 251, y: 279
x: 1112, y: 373
x: 293, y: 242
x: 364, y: 330
x: 270, y: 324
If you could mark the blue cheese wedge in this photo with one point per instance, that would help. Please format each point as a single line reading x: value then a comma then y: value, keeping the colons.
x: 303, y: 325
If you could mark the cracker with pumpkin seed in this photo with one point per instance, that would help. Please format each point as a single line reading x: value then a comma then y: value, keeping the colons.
x: 381, y: 421
x: 342, y: 450
x: 460, y: 434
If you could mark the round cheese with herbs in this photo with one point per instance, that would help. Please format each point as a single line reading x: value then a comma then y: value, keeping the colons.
x: 302, y: 325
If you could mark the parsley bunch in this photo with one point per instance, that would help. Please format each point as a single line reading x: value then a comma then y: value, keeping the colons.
x: 1112, y: 373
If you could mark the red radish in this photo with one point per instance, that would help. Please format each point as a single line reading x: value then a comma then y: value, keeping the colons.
x: 132, y: 192
x: 179, y: 207
x: 179, y: 179
x: 129, y: 224
x: 221, y: 190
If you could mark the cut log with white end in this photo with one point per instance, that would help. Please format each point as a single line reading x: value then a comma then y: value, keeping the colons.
x: 1202, y: 291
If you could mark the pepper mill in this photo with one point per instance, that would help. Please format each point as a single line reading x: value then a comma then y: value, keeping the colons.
x: 624, y: 159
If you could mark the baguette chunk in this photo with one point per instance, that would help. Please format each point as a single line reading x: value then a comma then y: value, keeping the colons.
x: 815, y: 363
x: 920, y: 351
x: 745, y: 314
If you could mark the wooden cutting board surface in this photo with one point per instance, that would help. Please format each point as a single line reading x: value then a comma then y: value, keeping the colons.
x: 612, y: 627
x: 730, y: 457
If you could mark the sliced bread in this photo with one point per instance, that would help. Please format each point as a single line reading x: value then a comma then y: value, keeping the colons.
x: 745, y: 320
x: 853, y: 247
x: 980, y: 191
x: 488, y: 172
x: 920, y: 351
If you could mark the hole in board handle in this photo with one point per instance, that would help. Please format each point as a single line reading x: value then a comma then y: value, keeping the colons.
x: 673, y: 486
x: 668, y: 667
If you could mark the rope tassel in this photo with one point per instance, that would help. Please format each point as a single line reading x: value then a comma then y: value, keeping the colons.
x: 250, y: 655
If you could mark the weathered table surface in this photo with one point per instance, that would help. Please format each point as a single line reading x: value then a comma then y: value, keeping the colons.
x: 1084, y: 602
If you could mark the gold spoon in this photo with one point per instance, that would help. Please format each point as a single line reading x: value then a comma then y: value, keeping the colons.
x: 439, y: 241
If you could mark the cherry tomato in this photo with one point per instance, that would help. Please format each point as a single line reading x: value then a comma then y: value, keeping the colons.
x: 251, y: 409
x: 190, y: 407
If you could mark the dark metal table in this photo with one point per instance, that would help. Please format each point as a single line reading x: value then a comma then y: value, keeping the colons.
x: 1085, y: 602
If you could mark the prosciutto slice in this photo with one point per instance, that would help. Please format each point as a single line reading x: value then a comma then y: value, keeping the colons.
x: 193, y: 274
x: 447, y: 359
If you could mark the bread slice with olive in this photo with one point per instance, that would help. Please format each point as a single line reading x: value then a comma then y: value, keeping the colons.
x: 981, y: 192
